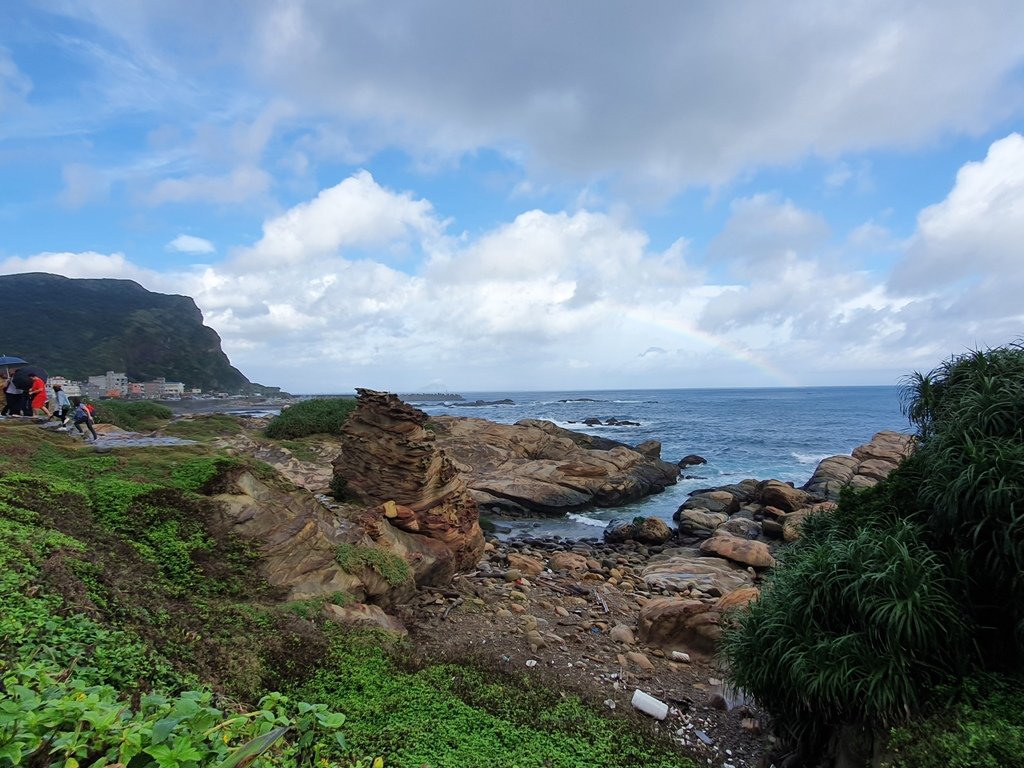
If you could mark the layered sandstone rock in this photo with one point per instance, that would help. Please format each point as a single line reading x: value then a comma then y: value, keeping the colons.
x: 869, y: 464
x: 538, y: 467
x: 299, y: 539
x: 389, y: 460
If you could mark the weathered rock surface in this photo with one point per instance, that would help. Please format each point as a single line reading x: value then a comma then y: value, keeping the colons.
x: 537, y: 466
x: 646, y: 530
x: 388, y: 456
x: 869, y: 464
x: 753, y: 553
x: 299, y: 539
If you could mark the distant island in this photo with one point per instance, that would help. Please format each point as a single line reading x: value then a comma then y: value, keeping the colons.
x: 434, y: 397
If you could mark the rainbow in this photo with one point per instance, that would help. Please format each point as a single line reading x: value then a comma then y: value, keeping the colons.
x: 680, y: 328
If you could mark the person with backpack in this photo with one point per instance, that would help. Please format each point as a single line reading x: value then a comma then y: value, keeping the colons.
x: 83, y: 415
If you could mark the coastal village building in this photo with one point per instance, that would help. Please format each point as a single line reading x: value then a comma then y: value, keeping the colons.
x: 114, y: 384
x: 110, y: 384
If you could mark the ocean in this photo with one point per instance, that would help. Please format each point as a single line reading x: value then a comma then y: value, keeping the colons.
x: 764, y: 434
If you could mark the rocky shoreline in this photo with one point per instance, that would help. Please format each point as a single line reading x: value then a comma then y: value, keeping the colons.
x: 641, y: 609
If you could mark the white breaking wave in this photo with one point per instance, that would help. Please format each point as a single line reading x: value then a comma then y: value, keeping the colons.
x: 809, y: 458
x: 587, y: 520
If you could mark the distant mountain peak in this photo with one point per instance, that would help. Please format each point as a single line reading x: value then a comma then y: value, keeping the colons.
x: 80, y: 327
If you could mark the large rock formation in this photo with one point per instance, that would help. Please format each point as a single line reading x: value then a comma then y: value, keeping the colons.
x: 391, y: 463
x: 535, y: 466
x: 869, y: 464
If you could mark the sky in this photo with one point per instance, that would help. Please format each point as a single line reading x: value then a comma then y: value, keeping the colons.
x: 494, y: 196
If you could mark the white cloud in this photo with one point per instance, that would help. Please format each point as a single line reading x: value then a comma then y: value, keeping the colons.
x: 680, y: 94
x: 191, y: 244
x: 14, y: 84
x: 977, y: 230
x: 243, y: 183
x: 357, y: 213
x: 84, y: 264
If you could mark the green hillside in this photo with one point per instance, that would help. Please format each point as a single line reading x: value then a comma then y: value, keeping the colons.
x: 79, y: 328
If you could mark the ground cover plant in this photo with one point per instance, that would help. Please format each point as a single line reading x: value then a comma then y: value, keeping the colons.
x: 880, y: 614
x: 311, y: 417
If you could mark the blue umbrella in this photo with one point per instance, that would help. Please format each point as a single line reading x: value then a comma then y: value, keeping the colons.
x: 11, y: 360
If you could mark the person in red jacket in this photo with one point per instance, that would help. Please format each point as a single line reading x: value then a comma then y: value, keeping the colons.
x: 37, y: 398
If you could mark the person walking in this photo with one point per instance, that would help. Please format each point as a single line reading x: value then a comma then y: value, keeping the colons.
x: 84, y: 416
x: 61, y: 406
x: 36, y: 399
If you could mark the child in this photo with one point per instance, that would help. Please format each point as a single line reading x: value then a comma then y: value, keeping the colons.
x: 62, y: 405
x: 83, y: 415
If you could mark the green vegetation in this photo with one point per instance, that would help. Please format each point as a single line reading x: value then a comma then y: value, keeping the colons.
x: 393, y: 569
x: 982, y: 727
x: 908, y: 586
x: 311, y: 417
x: 204, y: 427
x: 134, y: 415
x: 134, y: 629
x: 459, y: 716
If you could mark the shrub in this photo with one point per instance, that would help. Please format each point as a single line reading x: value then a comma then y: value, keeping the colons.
x: 970, y: 415
x: 132, y: 416
x: 393, y: 569
x: 854, y: 626
x: 311, y: 417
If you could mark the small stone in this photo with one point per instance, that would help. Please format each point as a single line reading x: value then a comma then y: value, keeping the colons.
x: 561, y: 611
x: 620, y: 633
x: 641, y: 661
x: 681, y: 657
x: 751, y: 725
x: 610, y: 703
x: 716, y: 701
x: 531, y: 662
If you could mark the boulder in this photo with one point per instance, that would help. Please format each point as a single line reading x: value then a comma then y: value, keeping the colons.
x: 717, y: 501
x: 865, y: 467
x: 545, y: 469
x: 567, y: 561
x: 530, y: 566
x: 675, y: 623
x: 752, y: 553
x: 698, y: 520
x: 363, y: 615
x: 692, y: 460
x: 646, y: 530
x: 677, y: 570
x: 782, y: 495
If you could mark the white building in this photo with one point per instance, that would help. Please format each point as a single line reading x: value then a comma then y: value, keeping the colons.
x: 110, y: 382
